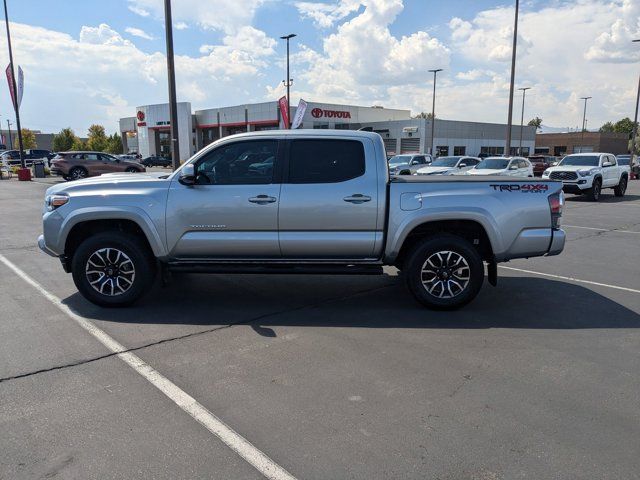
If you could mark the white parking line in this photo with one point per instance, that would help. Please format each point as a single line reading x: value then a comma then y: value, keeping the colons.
x: 571, y: 279
x: 186, y: 402
x: 602, y: 229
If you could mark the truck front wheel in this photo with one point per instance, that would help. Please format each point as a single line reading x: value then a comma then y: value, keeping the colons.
x: 113, y: 269
x: 444, y: 272
x: 593, y: 194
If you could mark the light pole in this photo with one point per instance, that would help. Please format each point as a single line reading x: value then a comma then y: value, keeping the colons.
x: 584, y: 122
x: 13, y: 87
x: 171, y: 72
x: 288, y: 82
x: 433, y: 110
x: 513, y: 76
x: 9, y: 131
x: 524, y: 93
x: 635, y: 118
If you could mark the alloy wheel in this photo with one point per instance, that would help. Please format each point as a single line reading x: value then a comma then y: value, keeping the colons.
x: 445, y: 274
x: 110, y: 271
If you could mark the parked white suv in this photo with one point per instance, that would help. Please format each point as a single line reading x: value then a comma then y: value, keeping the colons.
x: 589, y: 173
x: 449, y: 166
x: 506, y: 166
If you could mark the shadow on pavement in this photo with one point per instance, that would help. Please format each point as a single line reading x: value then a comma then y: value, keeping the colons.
x: 361, y: 302
x: 605, y: 197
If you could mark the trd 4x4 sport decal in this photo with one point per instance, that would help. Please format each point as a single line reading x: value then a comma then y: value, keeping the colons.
x: 526, y: 188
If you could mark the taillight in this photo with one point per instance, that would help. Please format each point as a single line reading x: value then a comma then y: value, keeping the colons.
x: 556, y: 204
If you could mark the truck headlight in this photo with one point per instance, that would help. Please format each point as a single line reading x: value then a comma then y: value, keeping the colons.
x: 586, y: 173
x: 51, y: 202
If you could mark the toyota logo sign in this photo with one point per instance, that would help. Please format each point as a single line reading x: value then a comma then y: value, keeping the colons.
x: 140, y: 116
x: 318, y: 112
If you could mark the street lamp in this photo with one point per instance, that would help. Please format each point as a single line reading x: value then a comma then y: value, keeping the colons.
x: 433, y: 109
x: 584, y: 122
x: 635, y: 118
x: 16, y: 107
x: 524, y: 92
x: 513, y: 76
x: 171, y: 72
x: 288, y: 82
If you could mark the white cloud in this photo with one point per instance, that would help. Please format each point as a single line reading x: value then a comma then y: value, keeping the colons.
x: 325, y: 15
x: 138, y: 32
x: 180, y: 26
x: 138, y: 11
x: 226, y: 15
x: 101, y: 77
x: 614, y: 45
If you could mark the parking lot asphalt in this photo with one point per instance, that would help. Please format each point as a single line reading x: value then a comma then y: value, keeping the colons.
x: 330, y: 377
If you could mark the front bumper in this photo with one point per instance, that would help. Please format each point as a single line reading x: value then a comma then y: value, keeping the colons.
x: 43, y: 246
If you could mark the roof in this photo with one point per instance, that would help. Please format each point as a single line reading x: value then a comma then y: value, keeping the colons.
x: 306, y: 133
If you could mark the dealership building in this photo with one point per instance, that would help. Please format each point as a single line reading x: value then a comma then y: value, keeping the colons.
x: 148, y: 132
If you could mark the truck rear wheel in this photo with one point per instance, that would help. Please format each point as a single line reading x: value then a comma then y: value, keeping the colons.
x: 444, y: 272
x: 113, y: 269
x: 621, y: 188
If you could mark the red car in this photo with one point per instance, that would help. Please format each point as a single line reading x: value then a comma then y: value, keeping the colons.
x: 540, y: 163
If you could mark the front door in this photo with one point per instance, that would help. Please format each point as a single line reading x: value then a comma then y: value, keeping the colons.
x: 609, y: 174
x: 232, y: 211
x: 329, y: 200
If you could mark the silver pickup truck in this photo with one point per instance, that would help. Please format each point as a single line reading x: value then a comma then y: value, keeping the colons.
x: 303, y: 201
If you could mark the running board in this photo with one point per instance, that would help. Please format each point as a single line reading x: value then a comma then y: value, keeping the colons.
x: 282, y: 268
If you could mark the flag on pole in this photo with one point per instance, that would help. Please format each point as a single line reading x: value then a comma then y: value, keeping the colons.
x: 15, y: 100
x: 300, y: 111
x: 284, y: 111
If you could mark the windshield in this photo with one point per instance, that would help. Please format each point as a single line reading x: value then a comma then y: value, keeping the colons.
x: 492, y: 164
x: 445, y: 162
x: 580, y: 160
x: 399, y: 159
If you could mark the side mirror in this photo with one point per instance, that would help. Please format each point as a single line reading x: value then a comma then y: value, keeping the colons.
x: 607, y: 164
x: 462, y: 165
x: 187, y: 175
x: 513, y: 167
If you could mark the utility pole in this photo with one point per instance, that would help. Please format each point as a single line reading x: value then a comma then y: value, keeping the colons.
x: 524, y: 92
x: 513, y: 76
x: 289, y: 81
x: 635, y: 119
x: 433, y: 110
x: 13, y: 86
x: 584, y: 122
x: 10, y: 138
x: 173, y: 106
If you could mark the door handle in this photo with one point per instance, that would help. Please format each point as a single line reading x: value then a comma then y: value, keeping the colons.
x: 357, y: 198
x: 262, y: 199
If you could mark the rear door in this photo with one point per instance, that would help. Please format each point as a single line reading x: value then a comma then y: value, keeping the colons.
x: 232, y: 211
x: 329, y: 199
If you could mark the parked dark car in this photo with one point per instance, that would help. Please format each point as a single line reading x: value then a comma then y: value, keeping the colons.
x: 12, y: 157
x: 541, y: 163
x: 77, y: 165
x: 156, y: 161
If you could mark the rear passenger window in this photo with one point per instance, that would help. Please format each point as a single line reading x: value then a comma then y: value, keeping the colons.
x: 325, y: 161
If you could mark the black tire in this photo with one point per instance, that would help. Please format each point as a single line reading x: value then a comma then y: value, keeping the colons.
x: 95, y: 247
x: 77, y: 173
x: 620, y: 190
x: 66, y: 177
x: 428, y: 251
x: 593, y: 194
x: 131, y: 170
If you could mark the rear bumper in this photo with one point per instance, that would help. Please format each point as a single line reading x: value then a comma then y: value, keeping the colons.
x: 558, y: 240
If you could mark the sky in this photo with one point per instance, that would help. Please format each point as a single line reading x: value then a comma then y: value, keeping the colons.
x: 94, y: 61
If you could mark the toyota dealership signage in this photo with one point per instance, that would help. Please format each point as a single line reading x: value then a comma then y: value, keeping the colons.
x: 321, y: 113
x: 141, y: 117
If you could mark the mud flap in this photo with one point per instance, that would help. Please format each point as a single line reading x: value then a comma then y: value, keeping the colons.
x: 492, y: 273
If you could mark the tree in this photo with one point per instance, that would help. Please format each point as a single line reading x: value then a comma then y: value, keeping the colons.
x: 78, y: 144
x: 97, y: 139
x: 114, y: 144
x: 624, y: 126
x: 535, y: 122
x: 428, y: 116
x: 607, y: 128
x: 28, y: 140
x: 63, y: 141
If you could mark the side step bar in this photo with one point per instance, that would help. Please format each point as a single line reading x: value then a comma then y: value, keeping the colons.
x: 283, y: 268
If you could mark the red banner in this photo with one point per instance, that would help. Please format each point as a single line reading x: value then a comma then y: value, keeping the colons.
x: 10, y: 82
x: 284, y: 111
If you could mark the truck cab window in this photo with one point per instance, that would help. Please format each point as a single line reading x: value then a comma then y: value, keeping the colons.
x: 325, y: 161
x: 239, y: 163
